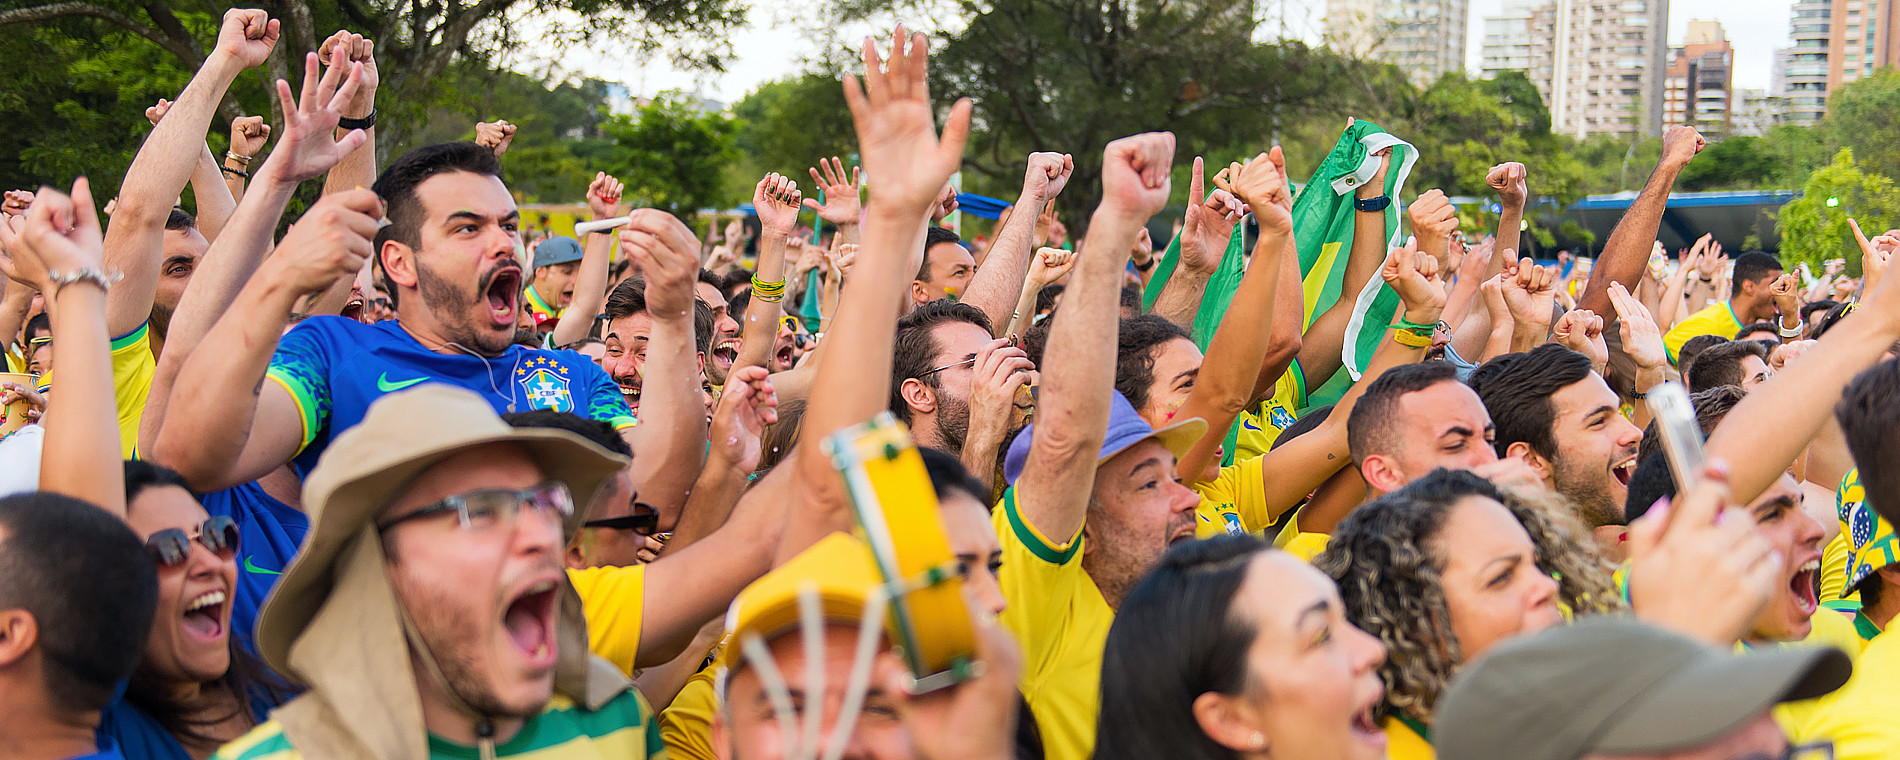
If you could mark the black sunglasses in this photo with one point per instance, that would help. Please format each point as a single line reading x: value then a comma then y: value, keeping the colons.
x: 644, y: 520
x: 172, y: 546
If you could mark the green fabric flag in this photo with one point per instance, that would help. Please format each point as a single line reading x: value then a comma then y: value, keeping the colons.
x: 1220, y: 287
x: 1322, y: 227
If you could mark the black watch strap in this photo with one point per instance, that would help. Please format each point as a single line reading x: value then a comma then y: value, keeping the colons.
x: 363, y: 123
x: 1372, y: 204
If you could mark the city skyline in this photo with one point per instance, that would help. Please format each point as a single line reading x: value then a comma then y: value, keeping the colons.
x: 766, y: 48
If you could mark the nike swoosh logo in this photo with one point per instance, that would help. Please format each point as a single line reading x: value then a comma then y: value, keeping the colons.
x: 251, y: 567
x: 383, y: 384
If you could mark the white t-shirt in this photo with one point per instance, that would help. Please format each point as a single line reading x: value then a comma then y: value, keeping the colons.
x: 20, y: 460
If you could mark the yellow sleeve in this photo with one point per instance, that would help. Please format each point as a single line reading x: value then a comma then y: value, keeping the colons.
x: 1306, y: 546
x: 1236, y: 501
x: 1040, y: 580
x: 612, y: 599
x: 132, y: 369
x: 1831, y: 628
x: 686, y: 725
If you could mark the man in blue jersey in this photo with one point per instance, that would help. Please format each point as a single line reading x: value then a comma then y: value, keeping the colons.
x: 247, y: 402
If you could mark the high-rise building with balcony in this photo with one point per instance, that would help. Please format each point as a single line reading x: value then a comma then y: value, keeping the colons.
x: 1426, y: 38
x: 1600, y: 64
x: 1697, y: 90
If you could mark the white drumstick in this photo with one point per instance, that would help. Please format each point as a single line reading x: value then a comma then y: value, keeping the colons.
x: 582, y: 229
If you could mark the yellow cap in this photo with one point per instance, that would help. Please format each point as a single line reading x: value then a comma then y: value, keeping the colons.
x: 838, y: 569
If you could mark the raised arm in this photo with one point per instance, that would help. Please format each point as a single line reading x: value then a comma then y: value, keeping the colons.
x: 776, y: 220
x: 358, y: 167
x: 901, y: 149
x: 212, y: 197
x: 159, y: 172
x: 670, y: 442
x: 1079, y: 366
x: 1626, y: 253
x: 59, y: 250
x: 1205, y: 231
x: 590, y: 282
x: 1764, y: 433
x: 722, y: 542
x: 309, y: 148
x: 1321, y: 353
x: 842, y: 207
x: 226, y: 425
x: 1294, y: 470
x: 248, y: 135
x: 999, y: 280
x: 1226, y: 382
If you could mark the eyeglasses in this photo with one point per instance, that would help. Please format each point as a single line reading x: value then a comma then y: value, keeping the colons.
x: 644, y: 520
x: 965, y: 363
x: 172, y: 546
x: 478, y: 510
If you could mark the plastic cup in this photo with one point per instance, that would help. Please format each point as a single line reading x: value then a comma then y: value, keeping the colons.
x: 13, y: 416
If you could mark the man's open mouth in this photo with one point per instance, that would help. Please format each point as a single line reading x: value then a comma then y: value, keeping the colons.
x: 504, y: 296
x: 1623, y: 470
x: 1805, y: 587
x: 204, y: 616
x: 726, y: 352
x: 529, y: 620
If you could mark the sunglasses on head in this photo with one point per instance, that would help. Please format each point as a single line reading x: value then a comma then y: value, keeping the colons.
x: 172, y: 546
x: 643, y: 521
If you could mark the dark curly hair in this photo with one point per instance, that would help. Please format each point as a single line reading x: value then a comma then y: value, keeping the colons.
x: 1386, y: 560
x: 1135, y: 354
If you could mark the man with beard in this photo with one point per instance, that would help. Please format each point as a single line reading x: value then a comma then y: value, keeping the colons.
x: 447, y: 261
x: 944, y: 364
x: 723, y: 340
x: 428, y: 613
x: 1562, y: 419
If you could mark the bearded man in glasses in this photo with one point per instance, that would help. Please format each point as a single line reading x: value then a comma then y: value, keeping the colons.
x: 429, y: 608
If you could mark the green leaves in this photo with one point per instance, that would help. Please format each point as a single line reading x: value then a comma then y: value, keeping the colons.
x: 673, y: 153
x: 1814, y: 226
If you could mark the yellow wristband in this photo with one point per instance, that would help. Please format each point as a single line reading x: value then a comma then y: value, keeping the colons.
x: 1412, y: 339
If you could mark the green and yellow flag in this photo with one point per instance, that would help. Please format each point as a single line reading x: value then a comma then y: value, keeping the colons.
x: 1322, y: 227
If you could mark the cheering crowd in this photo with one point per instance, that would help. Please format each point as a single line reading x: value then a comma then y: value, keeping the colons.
x: 411, y: 480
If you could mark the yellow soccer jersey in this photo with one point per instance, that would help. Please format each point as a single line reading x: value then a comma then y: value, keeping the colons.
x: 686, y: 725
x: 1406, y: 741
x: 1061, y: 620
x: 132, y: 369
x: 613, y: 600
x: 1714, y: 320
x: 1863, y: 717
x: 1235, y: 502
x: 1260, y: 425
x: 1833, y: 629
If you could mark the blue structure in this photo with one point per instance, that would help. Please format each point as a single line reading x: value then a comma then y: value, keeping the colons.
x: 1731, y: 216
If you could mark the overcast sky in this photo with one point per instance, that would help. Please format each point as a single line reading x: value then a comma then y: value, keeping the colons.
x: 768, y: 49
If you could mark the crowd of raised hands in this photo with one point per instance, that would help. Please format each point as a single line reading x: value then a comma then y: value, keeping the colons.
x: 413, y: 478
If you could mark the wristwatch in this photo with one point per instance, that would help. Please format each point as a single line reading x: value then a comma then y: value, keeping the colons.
x: 1372, y: 204
x: 363, y: 123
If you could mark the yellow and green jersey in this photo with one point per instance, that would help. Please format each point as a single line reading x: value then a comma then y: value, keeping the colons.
x: 1261, y: 425
x: 1061, y: 619
x: 1406, y: 739
x: 1718, y: 319
x: 613, y: 599
x: 537, y: 306
x: 132, y: 370
x: 623, y: 729
x: 1235, y: 502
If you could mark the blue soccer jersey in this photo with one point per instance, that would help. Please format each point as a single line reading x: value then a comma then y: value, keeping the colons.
x: 269, y: 533
x: 335, y: 368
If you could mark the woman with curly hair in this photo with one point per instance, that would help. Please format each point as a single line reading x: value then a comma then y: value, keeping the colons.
x: 1229, y: 649
x: 1446, y: 568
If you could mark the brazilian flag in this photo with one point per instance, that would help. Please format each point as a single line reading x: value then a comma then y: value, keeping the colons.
x: 1322, y: 227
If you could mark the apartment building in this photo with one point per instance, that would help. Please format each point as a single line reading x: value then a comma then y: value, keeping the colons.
x: 1426, y: 38
x: 1600, y: 64
x: 1698, y: 87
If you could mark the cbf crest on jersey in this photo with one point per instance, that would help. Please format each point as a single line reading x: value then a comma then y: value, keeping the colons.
x: 545, y: 383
